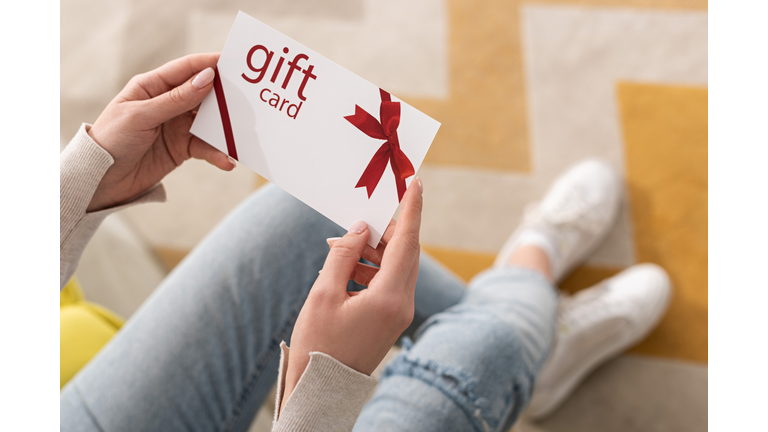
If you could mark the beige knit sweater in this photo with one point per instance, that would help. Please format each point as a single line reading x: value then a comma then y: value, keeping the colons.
x: 329, y: 395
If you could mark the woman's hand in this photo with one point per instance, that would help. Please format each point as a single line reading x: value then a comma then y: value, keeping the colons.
x: 146, y: 128
x: 359, y: 328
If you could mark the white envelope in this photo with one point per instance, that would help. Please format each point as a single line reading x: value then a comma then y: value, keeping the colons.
x: 312, y: 127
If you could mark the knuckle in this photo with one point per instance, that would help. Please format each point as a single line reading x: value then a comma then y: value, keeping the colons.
x: 318, y: 296
x: 344, y: 251
x: 411, y: 242
x: 176, y: 95
x: 136, y: 80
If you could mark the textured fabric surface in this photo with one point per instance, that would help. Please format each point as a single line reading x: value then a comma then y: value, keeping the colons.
x: 328, y: 396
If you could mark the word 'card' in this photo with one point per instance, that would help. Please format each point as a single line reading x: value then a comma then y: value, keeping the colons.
x: 333, y: 140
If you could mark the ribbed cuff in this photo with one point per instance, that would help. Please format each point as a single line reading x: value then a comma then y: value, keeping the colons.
x: 328, y: 396
x: 82, y: 165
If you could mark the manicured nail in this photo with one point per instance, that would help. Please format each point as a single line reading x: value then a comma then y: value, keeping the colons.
x: 232, y: 160
x: 358, y: 227
x: 331, y: 240
x: 203, y: 78
x: 418, y: 182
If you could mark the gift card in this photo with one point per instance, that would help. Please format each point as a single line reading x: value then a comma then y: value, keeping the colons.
x: 338, y: 143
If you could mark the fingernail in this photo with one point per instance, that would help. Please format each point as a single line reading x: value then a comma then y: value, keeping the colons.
x: 358, y: 227
x: 203, y: 78
x: 232, y: 160
x: 421, y: 186
x: 330, y: 240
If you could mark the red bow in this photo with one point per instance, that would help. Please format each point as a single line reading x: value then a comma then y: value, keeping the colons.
x: 389, y: 151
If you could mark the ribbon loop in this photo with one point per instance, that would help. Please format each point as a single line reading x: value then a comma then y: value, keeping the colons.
x: 389, y: 152
x: 367, y: 123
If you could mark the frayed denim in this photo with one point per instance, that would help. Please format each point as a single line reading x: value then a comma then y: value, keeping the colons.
x: 474, y: 365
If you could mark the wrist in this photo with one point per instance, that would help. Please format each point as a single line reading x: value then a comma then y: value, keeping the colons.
x: 297, y: 364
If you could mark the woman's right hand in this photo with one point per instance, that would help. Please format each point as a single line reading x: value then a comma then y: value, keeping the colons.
x: 146, y: 128
x: 359, y: 328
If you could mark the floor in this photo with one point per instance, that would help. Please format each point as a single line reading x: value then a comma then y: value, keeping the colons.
x: 523, y: 90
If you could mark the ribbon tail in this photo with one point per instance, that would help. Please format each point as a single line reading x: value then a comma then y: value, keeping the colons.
x: 375, y: 169
x: 224, y: 112
x: 405, y: 167
x: 399, y: 179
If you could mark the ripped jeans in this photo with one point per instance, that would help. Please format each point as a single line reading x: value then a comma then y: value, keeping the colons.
x: 473, y: 366
x: 202, y: 352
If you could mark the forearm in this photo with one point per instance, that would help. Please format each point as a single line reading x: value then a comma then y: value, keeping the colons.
x: 82, y: 165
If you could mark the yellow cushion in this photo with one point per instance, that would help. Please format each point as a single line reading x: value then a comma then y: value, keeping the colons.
x: 85, y: 328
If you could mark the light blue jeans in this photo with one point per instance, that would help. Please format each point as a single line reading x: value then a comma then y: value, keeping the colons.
x: 202, y: 353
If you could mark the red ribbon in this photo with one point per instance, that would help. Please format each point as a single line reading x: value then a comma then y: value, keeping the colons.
x: 224, y: 112
x: 390, y: 151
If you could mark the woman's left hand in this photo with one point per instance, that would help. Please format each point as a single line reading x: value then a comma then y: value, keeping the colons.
x: 359, y: 328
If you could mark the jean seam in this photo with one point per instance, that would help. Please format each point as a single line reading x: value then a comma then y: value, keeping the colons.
x: 87, y: 409
x: 258, y: 369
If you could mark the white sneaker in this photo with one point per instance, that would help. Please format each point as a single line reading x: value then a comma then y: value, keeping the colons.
x: 572, y: 219
x: 596, y: 324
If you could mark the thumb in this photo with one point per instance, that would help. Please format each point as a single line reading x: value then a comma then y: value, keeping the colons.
x: 344, y: 256
x: 180, y: 99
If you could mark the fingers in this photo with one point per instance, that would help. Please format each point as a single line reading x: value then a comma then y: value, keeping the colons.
x: 369, y: 253
x: 343, y: 258
x: 387, y: 236
x: 200, y: 149
x: 364, y: 273
x: 175, y: 73
x: 402, y: 251
x: 178, y: 100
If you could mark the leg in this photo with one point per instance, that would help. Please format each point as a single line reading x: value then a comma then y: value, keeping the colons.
x: 202, y: 352
x: 437, y: 289
x: 474, y: 365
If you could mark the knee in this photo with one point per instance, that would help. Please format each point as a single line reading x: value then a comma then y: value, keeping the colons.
x: 277, y: 218
x: 487, y: 397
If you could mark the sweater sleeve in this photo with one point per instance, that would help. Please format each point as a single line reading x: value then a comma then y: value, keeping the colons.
x: 82, y: 165
x: 328, y: 396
